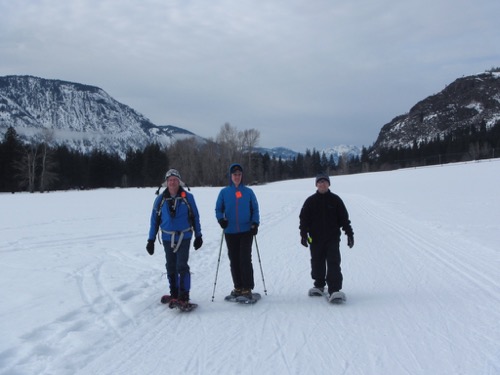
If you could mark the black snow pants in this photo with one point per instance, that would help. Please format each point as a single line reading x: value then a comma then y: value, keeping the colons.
x: 239, y: 246
x: 325, y: 264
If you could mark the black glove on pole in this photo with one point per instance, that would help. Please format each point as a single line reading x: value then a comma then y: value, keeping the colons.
x: 254, y: 229
x: 223, y: 223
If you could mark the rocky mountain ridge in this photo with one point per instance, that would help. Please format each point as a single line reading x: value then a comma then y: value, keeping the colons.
x: 82, y: 117
x: 472, y: 101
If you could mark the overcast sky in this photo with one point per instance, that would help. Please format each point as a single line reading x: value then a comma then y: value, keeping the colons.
x: 305, y: 73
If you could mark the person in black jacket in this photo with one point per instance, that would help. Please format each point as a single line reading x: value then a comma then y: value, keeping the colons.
x: 321, y: 218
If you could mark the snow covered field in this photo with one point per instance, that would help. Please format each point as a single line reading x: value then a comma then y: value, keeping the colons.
x: 80, y: 295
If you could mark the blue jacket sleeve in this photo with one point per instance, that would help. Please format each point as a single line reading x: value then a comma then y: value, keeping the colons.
x: 219, y: 206
x: 154, y: 224
x: 255, y: 218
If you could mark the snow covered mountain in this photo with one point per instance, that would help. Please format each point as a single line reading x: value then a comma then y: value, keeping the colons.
x: 472, y: 101
x: 82, y: 117
x: 342, y: 151
x: 336, y: 152
x: 278, y: 152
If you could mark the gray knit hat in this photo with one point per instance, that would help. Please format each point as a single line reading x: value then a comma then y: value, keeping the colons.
x: 172, y: 173
x: 322, y: 176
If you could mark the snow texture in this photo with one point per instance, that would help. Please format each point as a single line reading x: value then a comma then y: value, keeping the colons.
x: 80, y: 295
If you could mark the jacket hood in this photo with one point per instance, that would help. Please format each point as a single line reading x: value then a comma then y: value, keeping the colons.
x: 232, y: 168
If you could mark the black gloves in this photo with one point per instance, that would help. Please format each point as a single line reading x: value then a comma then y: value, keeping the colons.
x: 303, y: 238
x: 254, y: 229
x: 223, y: 223
x: 198, y: 241
x: 350, y: 241
x: 150, y: 247
x: 303, y: 241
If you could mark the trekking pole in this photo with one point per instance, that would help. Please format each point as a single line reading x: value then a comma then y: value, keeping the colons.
x: 218, y: 262
x: 260, y: 264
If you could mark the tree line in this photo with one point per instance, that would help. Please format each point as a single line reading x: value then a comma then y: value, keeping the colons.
x: 41, y: 167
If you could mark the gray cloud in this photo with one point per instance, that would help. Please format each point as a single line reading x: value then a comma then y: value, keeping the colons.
x: 306, y: 74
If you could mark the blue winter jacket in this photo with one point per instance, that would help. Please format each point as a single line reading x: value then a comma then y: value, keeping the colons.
x: 239, y: 206
x: 179, y: 221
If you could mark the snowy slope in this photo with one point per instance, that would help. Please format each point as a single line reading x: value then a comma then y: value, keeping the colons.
x: 80, y: 295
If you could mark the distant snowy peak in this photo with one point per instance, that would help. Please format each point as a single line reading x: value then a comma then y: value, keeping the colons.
x: 342, y: 151
x: 472, y: 101
x: 336, y: 152
x: 278, y: 152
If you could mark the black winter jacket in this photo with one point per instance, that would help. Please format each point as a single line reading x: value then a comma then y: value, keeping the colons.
x: 322, y: 216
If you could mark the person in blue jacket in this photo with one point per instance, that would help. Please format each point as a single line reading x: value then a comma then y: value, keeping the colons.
x: 175, y: 214
x: 237, y: 212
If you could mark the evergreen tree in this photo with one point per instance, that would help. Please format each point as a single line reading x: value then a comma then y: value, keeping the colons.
x: 10, y: 151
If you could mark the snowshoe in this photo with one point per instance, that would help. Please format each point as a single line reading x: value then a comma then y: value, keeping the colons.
x: 247, y: 298
x: 166, y: 299
x: 316, y: 292
x: 336, y: 297
x: 184, y: 306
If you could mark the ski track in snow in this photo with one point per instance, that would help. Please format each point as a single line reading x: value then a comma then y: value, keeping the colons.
x: 422, y: 297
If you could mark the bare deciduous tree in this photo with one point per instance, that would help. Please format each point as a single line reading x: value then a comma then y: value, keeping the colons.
x: 47, y: 174
x: 229, y: 142
x: 26, y: 168
x: 249, y: 140
x: 210, y: 162
x: 183, y: 156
